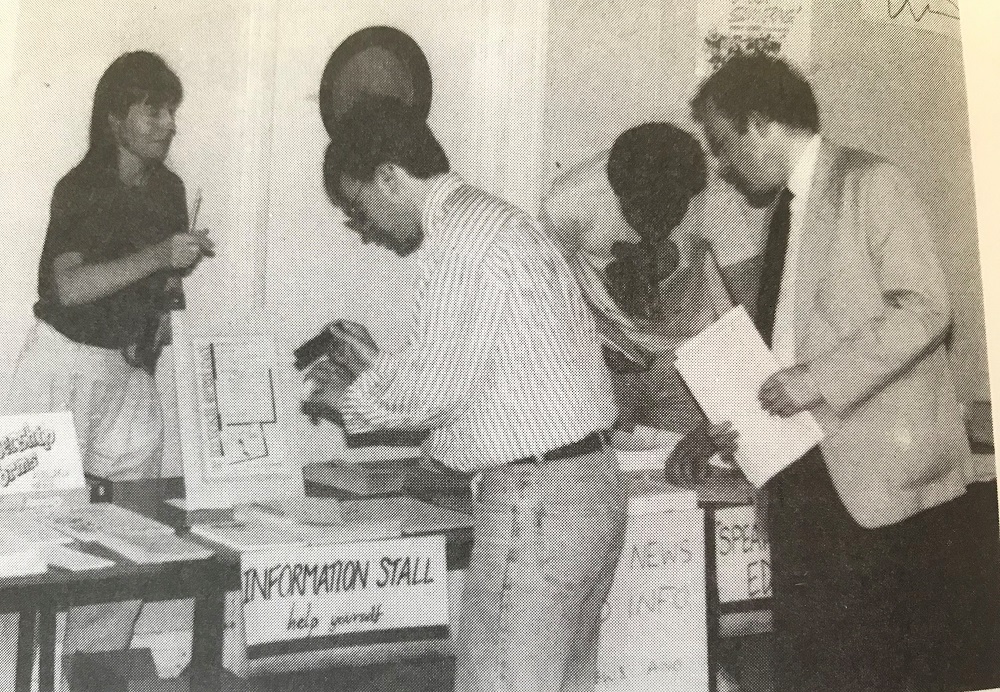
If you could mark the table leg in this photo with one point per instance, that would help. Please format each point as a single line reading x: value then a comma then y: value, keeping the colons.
x: 207, y: 641
x: 46, y: 650
x: 711, y: 600
x: 25, y: 650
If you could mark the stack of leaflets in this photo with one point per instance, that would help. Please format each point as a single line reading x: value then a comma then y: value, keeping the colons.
x: 27, y: 526
x: 415, y: 516
x: 241, y: 535
x: 19, y: 559
x: 89, y: 523
x: 155, y: 549
x: 27, y: 543
x: 131, y: 535
x: 67, y: 558
x: 302, y: 521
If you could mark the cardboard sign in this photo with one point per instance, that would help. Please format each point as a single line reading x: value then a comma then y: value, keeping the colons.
x: 653, y: 636
x: 327, y: 591
x: 39, y: 454
x: 742, y: 555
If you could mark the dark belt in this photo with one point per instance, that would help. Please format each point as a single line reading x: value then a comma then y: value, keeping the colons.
x: 591, y: 443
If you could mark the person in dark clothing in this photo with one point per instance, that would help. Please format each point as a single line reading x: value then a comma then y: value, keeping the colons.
x: 117, y: 245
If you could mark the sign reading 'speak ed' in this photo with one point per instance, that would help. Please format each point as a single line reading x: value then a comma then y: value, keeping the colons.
x: 39, y: 454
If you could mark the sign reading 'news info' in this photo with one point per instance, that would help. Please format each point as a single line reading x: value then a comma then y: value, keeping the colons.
x: 299, y: 593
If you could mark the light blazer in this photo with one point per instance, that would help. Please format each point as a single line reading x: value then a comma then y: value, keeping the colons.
x: 871, y: 316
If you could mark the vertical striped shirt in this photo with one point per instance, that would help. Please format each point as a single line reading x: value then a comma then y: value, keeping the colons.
x: 502, y: 360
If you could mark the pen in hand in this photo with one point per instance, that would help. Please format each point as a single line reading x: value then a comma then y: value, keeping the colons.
x: 206, y: 244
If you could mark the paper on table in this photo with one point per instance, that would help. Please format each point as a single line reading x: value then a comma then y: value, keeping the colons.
x: 646, y: 448
x: 21, y: 526
x: 724, y: 367
x: 73, y: 560
x: 153, y: 549
x: 90, y: 522
x: 21, y: 559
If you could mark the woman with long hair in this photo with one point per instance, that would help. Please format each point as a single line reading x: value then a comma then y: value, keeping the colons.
x: 116, y: 247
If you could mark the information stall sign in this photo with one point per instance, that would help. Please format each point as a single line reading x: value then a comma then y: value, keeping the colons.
x: 306, y: 598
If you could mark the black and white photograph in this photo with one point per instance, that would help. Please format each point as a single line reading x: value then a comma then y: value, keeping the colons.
x: 498, y: 346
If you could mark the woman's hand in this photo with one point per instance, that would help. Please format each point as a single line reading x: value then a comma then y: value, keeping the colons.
x: 687, y: 465
x: 183, y: 250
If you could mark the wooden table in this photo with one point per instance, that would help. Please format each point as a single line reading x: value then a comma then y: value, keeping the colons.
x: 38, y: 598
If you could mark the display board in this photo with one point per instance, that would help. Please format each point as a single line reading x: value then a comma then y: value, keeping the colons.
x: 231, y: 423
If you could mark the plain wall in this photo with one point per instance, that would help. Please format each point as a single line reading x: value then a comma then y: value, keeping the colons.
x: 900, y: 92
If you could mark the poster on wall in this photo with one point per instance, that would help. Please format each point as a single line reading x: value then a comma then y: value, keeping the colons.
x: 773, y: 27
x: 937, y: 16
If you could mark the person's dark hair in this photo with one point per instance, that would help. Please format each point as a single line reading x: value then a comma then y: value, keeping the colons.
x: 138, y: 77
x: 767, y: 86
x: 655, y: 169
x: 377, y: 131
x: 331, y: 175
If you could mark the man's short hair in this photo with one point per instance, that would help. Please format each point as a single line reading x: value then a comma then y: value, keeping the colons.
x: 766, y: 86
x: 655, y: 169
x: 377, y: 131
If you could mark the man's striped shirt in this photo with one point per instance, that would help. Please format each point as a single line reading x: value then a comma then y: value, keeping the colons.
x: 502, y: 360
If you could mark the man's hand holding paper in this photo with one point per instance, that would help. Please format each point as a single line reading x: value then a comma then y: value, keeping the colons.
x: 353, y: 347
x: 690, y: 462
x: 790, y: 391
x: 734, y: 377
x: 329, y: 381
x: 351, y: 351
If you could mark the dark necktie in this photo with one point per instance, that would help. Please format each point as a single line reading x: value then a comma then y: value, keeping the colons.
x: 773, y: 266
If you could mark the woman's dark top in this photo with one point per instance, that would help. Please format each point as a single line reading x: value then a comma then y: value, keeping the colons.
x: 95, y: 214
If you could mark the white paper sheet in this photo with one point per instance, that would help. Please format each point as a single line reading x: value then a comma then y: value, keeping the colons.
x: 724, y: 367
x: 73, y: 560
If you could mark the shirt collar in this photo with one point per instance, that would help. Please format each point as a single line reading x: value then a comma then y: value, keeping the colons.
x: 442, y: 189
x: 800, y: 181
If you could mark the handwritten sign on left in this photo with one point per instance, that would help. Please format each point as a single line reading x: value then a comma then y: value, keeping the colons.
x: 39, y: 454
x: 325, y: 591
